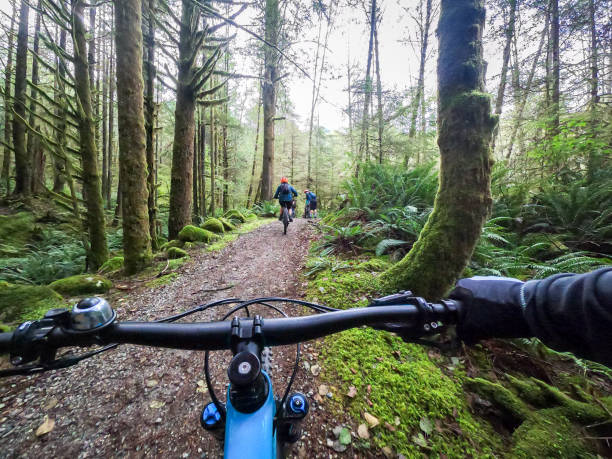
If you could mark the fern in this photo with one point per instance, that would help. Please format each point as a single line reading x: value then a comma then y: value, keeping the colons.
x: 386, y: 244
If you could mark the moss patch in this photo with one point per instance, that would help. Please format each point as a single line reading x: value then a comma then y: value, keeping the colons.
x: 15, y: 231
x: 192, y: 233
x: 235, y: 214
x: 26, y: 302
x: 226, y: 238
x: 163, y: 280
x: 214, y: 225
x: 227, y: 225
x: 111, y: 265
x: 81, y: 284
x: 172, y: 243
x: 175, y: 252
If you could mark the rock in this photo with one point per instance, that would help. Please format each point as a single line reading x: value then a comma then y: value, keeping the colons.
x: 387, y: 451
x: 323, y: 389
x: 172, y: 243
x: 371, y: 420
x: 156, y: 404
x: 47, y: 426
x: 235, y: 214
x: 52, y: 403
x: 389, y: 427
x: 317, y: 398
x: 315, y: 370
x: 306, y: 366
x: 351, y: 392
x: 175, y: 253
x: 330, y: 443
x: 151, y: 383
x: 363, y: 432
x: 214, y: 225
x: 337, y: 431
x: 81, y: 284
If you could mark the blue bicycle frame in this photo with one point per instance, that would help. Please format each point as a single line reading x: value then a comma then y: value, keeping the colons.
x: 252, y: 435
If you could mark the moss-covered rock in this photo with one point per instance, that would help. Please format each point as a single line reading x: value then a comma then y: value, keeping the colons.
x: 172, y: 243
x: 26, y: 302
x: 175, y: 252
x: 229, y: 226
x: 81, y: 284
x: 235, y: 214
x: 192, y: 233
x: 111, y: 265
x: 214, y: 225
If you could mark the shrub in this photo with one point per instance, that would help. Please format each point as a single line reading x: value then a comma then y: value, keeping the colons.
x: 266, y: 209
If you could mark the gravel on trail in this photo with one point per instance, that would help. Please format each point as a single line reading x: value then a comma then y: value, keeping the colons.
x: 137, y: 401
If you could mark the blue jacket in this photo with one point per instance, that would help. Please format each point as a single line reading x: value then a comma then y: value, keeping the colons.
x: 285, y: 196
x: 310, y: 196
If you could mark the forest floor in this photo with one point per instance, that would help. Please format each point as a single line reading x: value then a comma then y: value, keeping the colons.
x: 136, y: 401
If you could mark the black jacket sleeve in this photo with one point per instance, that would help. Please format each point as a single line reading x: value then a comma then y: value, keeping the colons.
x: 277, y: 192
x: 572, y: 312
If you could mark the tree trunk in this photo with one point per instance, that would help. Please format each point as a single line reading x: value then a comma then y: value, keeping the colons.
x: 213, y: 161
x: 61, y: 166
x: 363, y: 149
x: 181, y: 181
x: 465, y: 126
x: 8, y: 133
x: 509, y: 32
x: 350, y: 104
x: 35, y: 150
x: 523, y: 101
x: 132, y: 136
x: 92, y: 189
x: 111, y: 129
x: 150, y: 115
x: 105, y: 76
x: 555, y: 67
x: 248, y: 204
x: 23, y: 163
x: 272, y: 25
x: 379, y: 112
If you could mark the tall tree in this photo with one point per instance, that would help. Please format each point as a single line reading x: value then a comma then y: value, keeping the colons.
x: 379, y: 110
x: 92, y: 186
x: 8, y: 133
x: 132, y: 136
x: 465, y: 126
x: 556, y: 67
x: 23, y: 163
x: 34, y: 147
x: 272, y: 25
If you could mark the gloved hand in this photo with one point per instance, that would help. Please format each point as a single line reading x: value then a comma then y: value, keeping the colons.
x: 492, y: 309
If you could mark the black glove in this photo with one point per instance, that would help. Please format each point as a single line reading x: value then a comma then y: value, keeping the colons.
x: 492, y: 309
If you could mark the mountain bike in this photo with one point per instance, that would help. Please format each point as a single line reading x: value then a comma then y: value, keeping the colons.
x: 253, y: 414
x: 285, y: 218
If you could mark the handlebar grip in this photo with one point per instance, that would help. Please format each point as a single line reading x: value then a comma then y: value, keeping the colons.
x: 5, y: 342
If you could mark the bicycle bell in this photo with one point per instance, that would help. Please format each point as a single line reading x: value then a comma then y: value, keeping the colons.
x: 90, y: 314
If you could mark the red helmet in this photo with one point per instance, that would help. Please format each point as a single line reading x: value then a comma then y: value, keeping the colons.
x: 306, y: 191
x: 284, y: 180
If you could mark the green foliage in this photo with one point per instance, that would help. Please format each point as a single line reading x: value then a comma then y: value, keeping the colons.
x: 111, y: 265
x: 26, y: 302
x: 235, y: 214
x: 227, y: 225
x: 339, y: 239
x: 214, y: 225
x: 82, y: 284
x: 172, y: 243
x: 54, y: 255
x: 266, y: 208
x: 192, y: 233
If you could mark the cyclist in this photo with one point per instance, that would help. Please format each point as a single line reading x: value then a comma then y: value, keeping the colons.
x: 284, y: 194
x: 312, y: 200
x: 568, y: 312
x: 307, y: 206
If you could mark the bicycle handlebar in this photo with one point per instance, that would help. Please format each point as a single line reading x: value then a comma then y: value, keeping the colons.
x: 275, y: 332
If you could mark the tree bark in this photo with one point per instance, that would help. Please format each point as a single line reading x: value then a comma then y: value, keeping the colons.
x: 111, y: 129
x: 465, y: 126
x: 92, y: 189
x: 593, y: 157
x: 61, y: 166
x: 379, y: 111
x: 213, y: 162
x: 249, y: 202
x: 272, y: 24
x: 132, y: 136
x: 555, y: 67
x: 23, y: 163
x: 8, y: 133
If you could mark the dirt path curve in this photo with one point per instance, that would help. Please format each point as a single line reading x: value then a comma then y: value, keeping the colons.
x: 135, y: 401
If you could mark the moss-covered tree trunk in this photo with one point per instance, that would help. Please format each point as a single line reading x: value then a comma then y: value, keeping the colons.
x: 150, y: 110
x: 465, y: 128
x: 132, y: 136
x: 181, y: 180
x: 272, y: 25
x: 8, y: 133
x: 60, y: 173
x: 23, y: 163
x: 92, y: 188
x: 35, y: 150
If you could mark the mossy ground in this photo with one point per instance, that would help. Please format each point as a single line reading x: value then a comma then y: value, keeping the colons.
x: 15, y: 231
x: 81, y: 284
x: 226, y: 238
x: 395, y: 381
x: 26, y: 302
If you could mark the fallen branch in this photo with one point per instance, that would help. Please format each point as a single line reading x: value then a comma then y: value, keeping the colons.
x: 208, y: 290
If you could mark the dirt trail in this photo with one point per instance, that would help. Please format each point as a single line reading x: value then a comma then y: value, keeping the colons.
x: 137, y: 401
